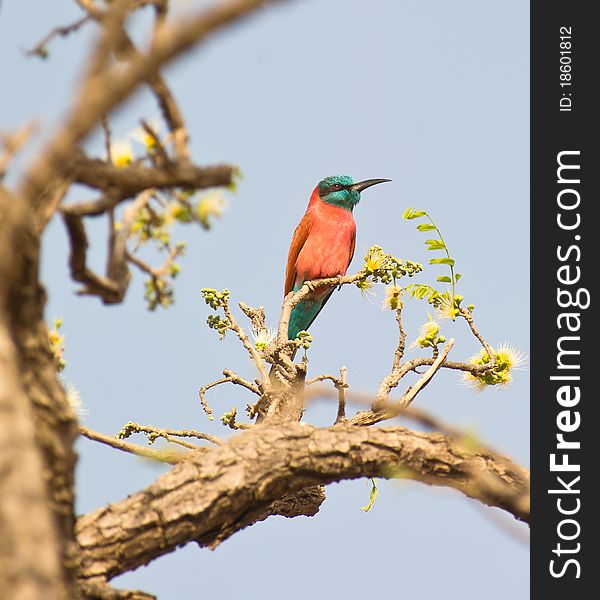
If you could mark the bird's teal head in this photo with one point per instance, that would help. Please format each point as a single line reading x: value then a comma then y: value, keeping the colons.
x: 342, y: 191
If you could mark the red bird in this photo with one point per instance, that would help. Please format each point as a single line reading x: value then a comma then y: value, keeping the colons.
x: 322, y: 244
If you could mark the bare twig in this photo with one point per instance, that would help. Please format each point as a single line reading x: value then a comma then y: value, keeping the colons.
x: 158, y: 145
x: 249, y: 346
x: 469, y: 319
x: 230, y: 377
x: 412, y: 391
x: 40, y: 48
x: 340, y: 383
x: 325, y: 377
x: 342, y: 388
x: 202, y: 394
x: 107, y: 138
x: 158, y: 455
x: 401, y: 339
x: 168, y: 434
x: 237, y: 380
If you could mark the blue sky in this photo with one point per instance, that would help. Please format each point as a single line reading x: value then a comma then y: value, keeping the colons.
x: 433, y: 95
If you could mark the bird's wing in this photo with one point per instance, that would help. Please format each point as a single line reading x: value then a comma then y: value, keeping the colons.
x: 352, y: 247
x: 298, y: 240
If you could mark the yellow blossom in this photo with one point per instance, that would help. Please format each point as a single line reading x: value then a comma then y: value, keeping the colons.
x: 56, y: 345
x: 366, y: 288
x: 375, y: 259
x: 427, y: 335
x: 445, y: 308
x: 121, y: 153
x: 507, y: 358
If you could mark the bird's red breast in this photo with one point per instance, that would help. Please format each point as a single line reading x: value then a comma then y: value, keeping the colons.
x: 322, y: 244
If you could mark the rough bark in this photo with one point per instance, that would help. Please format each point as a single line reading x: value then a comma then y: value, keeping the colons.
x: 210, y: 496
x: 38, y: 427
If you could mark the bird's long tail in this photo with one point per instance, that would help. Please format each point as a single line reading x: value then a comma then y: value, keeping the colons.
x: 304, y: 313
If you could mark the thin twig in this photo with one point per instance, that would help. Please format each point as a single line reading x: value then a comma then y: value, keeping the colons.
x: 169, y: 435
x: 250, y: 348
x: 169, y: 456
x: 40, y: 48
x: 342, y: 392
x: 469, y: 319
x: 155, y: 273
x: 107, y: 138
x: 335, y: 380
x: 412, y: 391
x: 230, y: 377
x: 237, y: 380
x: 401, y: 339
x: 160, y: 149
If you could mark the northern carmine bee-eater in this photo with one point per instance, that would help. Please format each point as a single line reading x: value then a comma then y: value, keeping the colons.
x: 323, y: 244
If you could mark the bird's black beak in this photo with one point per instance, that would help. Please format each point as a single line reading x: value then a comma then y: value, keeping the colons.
x: 363, y: 185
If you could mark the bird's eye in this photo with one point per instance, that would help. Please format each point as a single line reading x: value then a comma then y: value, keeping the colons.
x: 336, y: 186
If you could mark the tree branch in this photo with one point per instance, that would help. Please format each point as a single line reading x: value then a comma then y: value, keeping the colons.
x: 103, y: 90
x: 208, y: 497
x: 131, y: 180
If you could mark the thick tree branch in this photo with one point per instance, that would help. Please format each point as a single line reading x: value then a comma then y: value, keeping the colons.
x: 131, y: 180
x: 210, y: 496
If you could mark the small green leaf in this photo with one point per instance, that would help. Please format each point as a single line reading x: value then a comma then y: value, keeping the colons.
x: 435, y: 245
x: 442, y: 261
x: 444, y: 279
x: 407, y: 213
x: 426, y: 227
x: 457, y: 277
x: 416, y: 214
x: 372, y: 497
